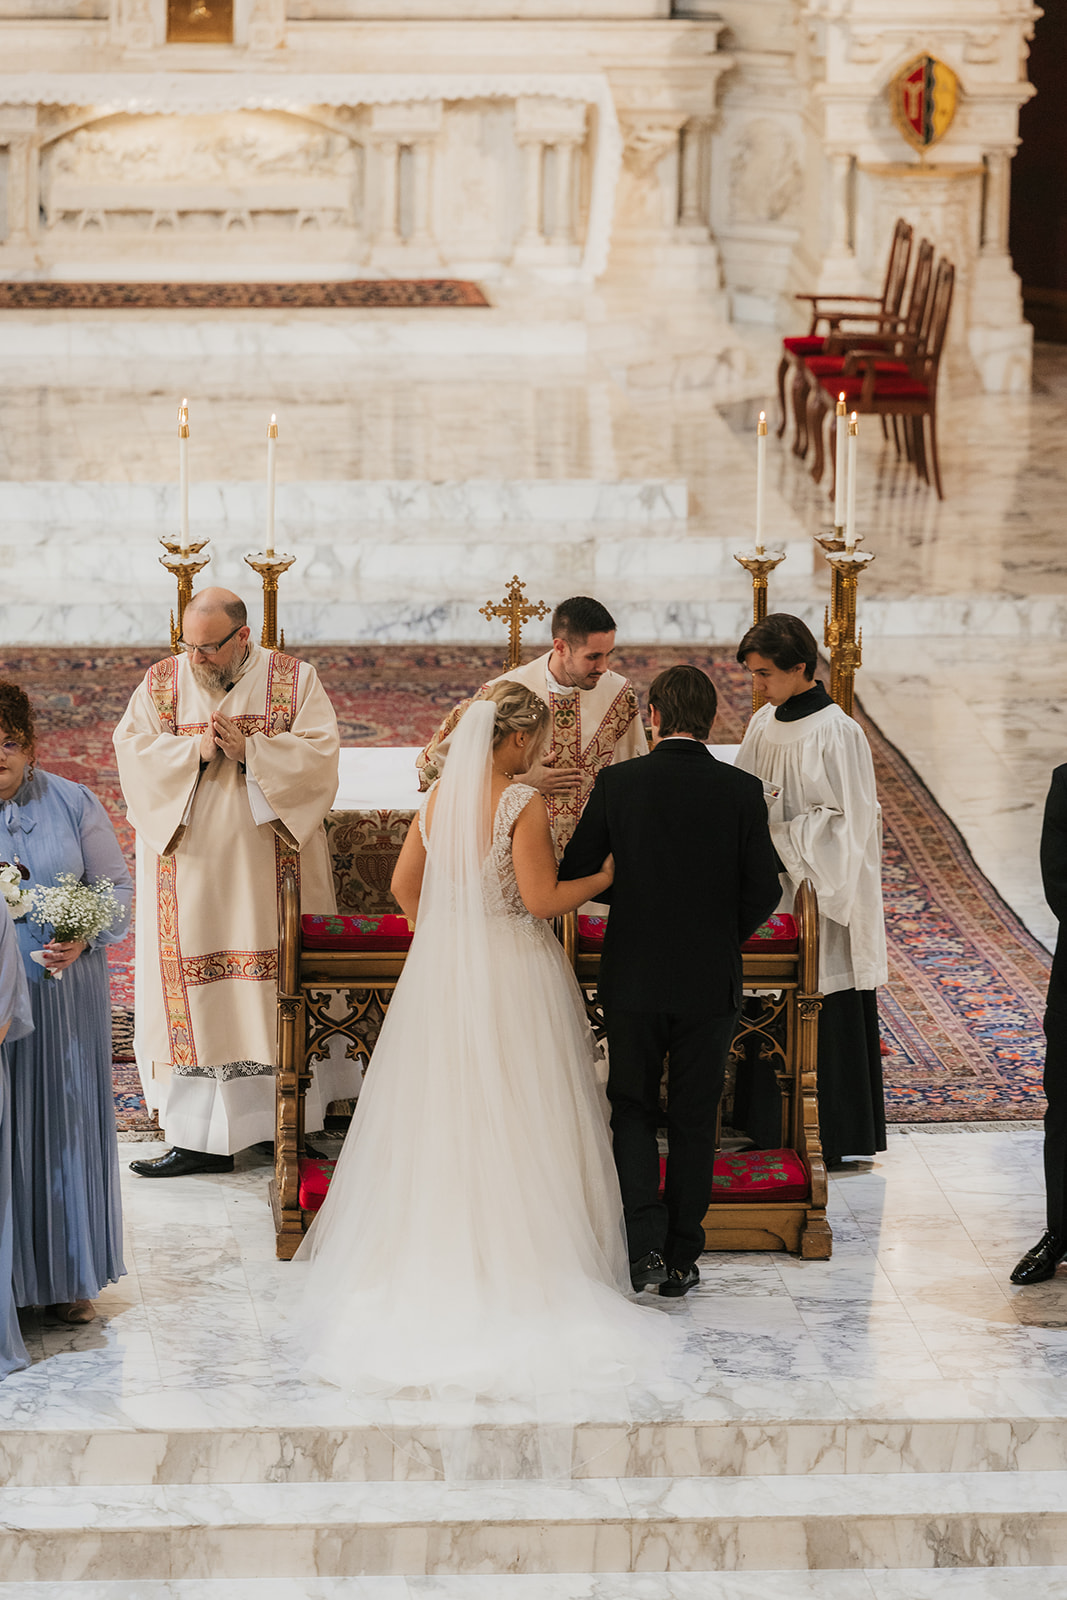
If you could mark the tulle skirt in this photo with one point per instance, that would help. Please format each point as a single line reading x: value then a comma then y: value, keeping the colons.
x: 471, y: 1246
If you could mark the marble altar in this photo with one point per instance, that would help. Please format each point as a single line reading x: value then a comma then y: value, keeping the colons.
x: 726, y: 153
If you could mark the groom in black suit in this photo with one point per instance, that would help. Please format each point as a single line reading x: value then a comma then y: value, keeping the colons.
x: 695, y: 875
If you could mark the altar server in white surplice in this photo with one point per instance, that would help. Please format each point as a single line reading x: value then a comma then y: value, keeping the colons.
x: 826, y: 825
x: 593, y: 714
x: 228, y: 761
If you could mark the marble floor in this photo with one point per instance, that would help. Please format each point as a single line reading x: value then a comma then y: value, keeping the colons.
x: 155, y: 1443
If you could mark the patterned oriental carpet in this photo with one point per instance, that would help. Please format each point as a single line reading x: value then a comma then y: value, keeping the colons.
x: 354, y: 294
x: 961, y: 1015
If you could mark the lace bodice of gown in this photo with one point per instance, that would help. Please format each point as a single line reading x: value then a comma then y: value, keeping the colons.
x: 502, y: 897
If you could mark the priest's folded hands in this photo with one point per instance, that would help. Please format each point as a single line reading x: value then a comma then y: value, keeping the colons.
x: 222, y: 734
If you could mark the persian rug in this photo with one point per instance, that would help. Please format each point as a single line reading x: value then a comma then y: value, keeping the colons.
x: 961, y: 1014
x: 353, y: 294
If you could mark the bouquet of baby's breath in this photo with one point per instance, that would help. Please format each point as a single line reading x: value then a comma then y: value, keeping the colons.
x: 75, y: 910
x: 17, y: 899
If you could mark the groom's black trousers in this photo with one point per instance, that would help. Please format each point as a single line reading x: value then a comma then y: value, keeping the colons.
x: 698, y: 1045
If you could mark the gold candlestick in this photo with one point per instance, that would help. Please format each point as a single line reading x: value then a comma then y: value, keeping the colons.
x: 839, y: 630
x: 185, y: 566
x: 759, y: 565
x: 514, y: 609
x: 270, y: 567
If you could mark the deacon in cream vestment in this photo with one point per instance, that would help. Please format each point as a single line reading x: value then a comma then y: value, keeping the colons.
x: 588, y: 729
x: 216, y: 835
x: 594, y: 716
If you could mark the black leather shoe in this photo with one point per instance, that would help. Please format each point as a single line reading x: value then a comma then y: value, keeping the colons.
x: 649, y: 1271
x: 679, y: 1281
x: 178, y: 1163
x: 1041, y: 1262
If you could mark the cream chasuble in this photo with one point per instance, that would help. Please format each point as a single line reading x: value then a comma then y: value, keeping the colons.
x: 588, y: 729
x: 826, y: 825
x: 210, y: 996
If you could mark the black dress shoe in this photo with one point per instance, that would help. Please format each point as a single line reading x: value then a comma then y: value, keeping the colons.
x: 679, y: 1281
x: 1041, y: 1262
x: 649, y: 1271
x: 178, y: 1163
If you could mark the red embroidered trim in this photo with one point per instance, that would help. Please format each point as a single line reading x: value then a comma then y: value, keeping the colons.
x: 253, y: 966
x: 175, y: 995
x: 163, y: 688
x: 565, y: 809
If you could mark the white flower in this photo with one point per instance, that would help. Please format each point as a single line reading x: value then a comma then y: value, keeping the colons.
x: 76, y: 911
x: 16, y: 898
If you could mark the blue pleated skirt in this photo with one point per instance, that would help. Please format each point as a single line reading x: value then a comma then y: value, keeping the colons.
x: 12, y: 1350
x: 66, y: 1205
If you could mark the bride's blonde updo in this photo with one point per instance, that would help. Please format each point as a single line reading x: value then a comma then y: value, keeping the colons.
x: 518, y: 710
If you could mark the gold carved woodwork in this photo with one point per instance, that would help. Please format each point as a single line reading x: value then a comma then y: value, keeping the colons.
x: 326, y: 995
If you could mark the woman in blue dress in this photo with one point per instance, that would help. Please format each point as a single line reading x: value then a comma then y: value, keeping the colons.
x: 67, y: 1212
x: 15, y: 1023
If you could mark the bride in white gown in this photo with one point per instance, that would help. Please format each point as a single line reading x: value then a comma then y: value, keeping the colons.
x: 471, y: 1246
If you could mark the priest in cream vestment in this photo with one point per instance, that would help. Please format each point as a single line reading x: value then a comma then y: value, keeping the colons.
x: 227, y: 757
x: 594, y: 719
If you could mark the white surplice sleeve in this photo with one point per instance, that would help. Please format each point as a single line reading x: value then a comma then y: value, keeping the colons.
x: 829, y: 838
x: 158, y: 771
x: 296, y: 771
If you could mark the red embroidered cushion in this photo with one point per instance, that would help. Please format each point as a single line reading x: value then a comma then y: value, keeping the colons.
x: 807, y: 345
x: 755, y: 1175
x: 759, y: 1175
x: 355, y: 933
x: 779, y: 930
x: 315, y: 1175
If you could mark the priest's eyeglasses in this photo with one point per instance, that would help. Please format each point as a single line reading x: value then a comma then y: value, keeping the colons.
x: 208, y: 649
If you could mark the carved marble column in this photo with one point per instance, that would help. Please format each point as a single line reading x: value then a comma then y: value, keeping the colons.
x: 22, y: 208
x: 563, y: 207
x: 997, y: 202
x: 533, y: 166
x: 422, y: 198
x: 415, y: 126
x: 387, y: 231
x: 692, y: 203
x: 543, y: 123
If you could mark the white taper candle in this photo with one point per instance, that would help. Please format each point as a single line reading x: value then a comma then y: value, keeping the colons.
x: 850, y: 500
x: 272, y: 445
x: 839, y: 465
x: 183, y: 474
x: 761, y: 468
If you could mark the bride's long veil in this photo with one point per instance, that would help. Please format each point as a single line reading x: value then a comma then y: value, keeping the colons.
x: 466, y: 1265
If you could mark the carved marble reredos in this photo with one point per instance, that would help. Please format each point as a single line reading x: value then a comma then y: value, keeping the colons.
x: 765, y: 173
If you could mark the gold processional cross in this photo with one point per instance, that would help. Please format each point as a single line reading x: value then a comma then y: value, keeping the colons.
x: 514, y: 609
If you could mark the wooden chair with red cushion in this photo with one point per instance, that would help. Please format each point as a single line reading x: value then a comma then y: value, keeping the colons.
x: 893, y: 336
x: 910, y: 396
x: 830, y: 311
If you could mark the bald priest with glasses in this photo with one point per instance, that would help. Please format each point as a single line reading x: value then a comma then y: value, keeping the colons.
x: 227, y: 756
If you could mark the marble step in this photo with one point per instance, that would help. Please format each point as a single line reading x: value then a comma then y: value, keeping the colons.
x: 953, y: 1583
x: 336, y: 507
x: 795, y: 1523
x: 107, y: 614
x: 45, y: 345
x: 54, y: 1457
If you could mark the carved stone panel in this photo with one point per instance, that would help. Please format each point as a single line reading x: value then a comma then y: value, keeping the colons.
x: 765, y: 173
x: 200, y: 173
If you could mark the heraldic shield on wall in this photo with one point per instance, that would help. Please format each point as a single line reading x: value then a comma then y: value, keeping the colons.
x: 923, y: 97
